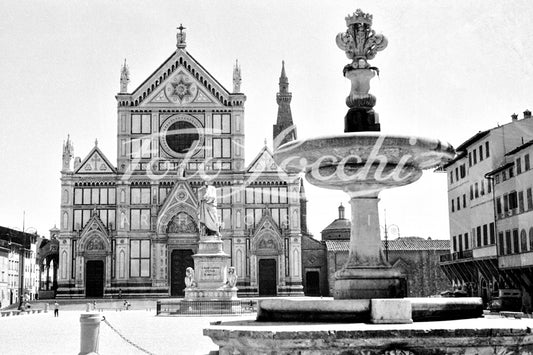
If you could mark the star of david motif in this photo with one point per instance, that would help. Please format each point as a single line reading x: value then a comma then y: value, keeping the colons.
x: 181, y: 90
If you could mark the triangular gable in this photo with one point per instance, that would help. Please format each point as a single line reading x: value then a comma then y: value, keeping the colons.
x: 95, y: 224
x: 180, y: 89
x: 152, y: 90
x: 95, y: 163
x: 267, y: 230
x: 264, y: 163
x: 180, y: 199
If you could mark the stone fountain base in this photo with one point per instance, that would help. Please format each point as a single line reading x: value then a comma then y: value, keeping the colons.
x: 369, y: 282
x: 479, y: 336
x: 325, y: 326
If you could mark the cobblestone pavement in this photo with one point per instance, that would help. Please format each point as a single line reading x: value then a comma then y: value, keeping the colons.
x: 43, y: 334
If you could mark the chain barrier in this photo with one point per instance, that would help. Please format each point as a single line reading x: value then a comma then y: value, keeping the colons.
x: 126, y: 339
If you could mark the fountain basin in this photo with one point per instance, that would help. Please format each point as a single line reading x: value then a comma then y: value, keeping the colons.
x: 363, y: 161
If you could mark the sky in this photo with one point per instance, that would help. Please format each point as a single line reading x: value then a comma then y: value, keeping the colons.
x: 451, y: 69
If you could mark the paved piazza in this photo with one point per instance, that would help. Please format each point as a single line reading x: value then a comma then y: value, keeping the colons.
x: 44, y: 334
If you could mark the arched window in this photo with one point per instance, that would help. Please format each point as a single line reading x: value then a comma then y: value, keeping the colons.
x: 65, y: 220
x: 123, y: 220
x: 523, y: 241
x: 121, y: 264
x: 64, y: 261
x: 296, y: 262
x: 240, y: 263
x: 531, y: 238
x: 238, y: 220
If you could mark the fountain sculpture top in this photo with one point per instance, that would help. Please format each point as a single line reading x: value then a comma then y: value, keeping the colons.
x: 360, y: 43
x: 362, y: 162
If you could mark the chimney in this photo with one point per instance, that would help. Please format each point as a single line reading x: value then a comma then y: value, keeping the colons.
x: 341, y: 211
x: 527, y: 114
x: 514, y: 117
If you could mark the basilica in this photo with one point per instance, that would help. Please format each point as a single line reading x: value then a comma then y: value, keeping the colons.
x: 131, y: 228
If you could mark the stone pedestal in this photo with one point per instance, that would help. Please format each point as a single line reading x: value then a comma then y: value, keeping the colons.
x: 367, y: 274
x: 89, y: 332
x: 211, y: 265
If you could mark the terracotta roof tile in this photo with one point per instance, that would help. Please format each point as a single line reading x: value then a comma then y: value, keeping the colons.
x: 405, y: 243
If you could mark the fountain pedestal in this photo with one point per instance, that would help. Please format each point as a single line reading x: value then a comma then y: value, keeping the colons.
x: 367, y: 274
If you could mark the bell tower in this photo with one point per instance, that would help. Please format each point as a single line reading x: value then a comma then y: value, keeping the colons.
x: 284, y: 130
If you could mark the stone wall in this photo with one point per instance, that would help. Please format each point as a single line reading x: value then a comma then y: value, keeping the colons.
x: 314, y: 259
x: 424, y: 276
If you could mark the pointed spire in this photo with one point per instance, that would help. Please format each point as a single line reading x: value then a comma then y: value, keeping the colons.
x: 237, y: 77
x: 283, y: 80
x: 180, y: 38
x: 284, y: 130
x: 68, y: 153
x: 265, y: 141
x: 124, y: 77
x: 96, y: 142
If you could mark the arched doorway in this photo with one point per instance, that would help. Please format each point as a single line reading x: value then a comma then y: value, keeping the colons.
x: 312, y: 283
x: 94, y: 278
x: 267, y: 277
x: 484, y: 291
x: 180, y: 260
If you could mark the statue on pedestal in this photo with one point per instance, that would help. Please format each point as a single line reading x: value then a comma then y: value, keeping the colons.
x: 208, y: 216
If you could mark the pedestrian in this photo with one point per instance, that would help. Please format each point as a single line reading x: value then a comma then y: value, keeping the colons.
x: 119, y: 293
x: 94, y: 305
x: 56, y: 309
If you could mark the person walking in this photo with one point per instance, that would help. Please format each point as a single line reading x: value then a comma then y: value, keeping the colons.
x: 56, y: 309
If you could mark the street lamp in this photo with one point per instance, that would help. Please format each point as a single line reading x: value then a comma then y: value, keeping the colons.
x: 386, y: 230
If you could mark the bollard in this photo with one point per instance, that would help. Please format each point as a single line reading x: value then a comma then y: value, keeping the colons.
x: 88, y: 308
x: 46, y: 305
x: 90, y: 331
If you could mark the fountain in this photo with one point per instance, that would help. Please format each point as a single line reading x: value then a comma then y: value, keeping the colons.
x: 363, y: 162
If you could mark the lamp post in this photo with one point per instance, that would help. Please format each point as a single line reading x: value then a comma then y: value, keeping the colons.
x: 386, y: 229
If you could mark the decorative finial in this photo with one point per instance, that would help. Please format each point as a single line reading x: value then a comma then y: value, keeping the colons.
x: 124, y: 77
x: 68, y: 153
x: 265, y: 141
x: 360, y: 43
x: 341, y: 211
x: 181, y: 36
x: 96, y: 142
x: 237, y: 77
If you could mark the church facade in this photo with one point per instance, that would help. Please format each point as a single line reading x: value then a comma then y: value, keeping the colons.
x: 132, y: 228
